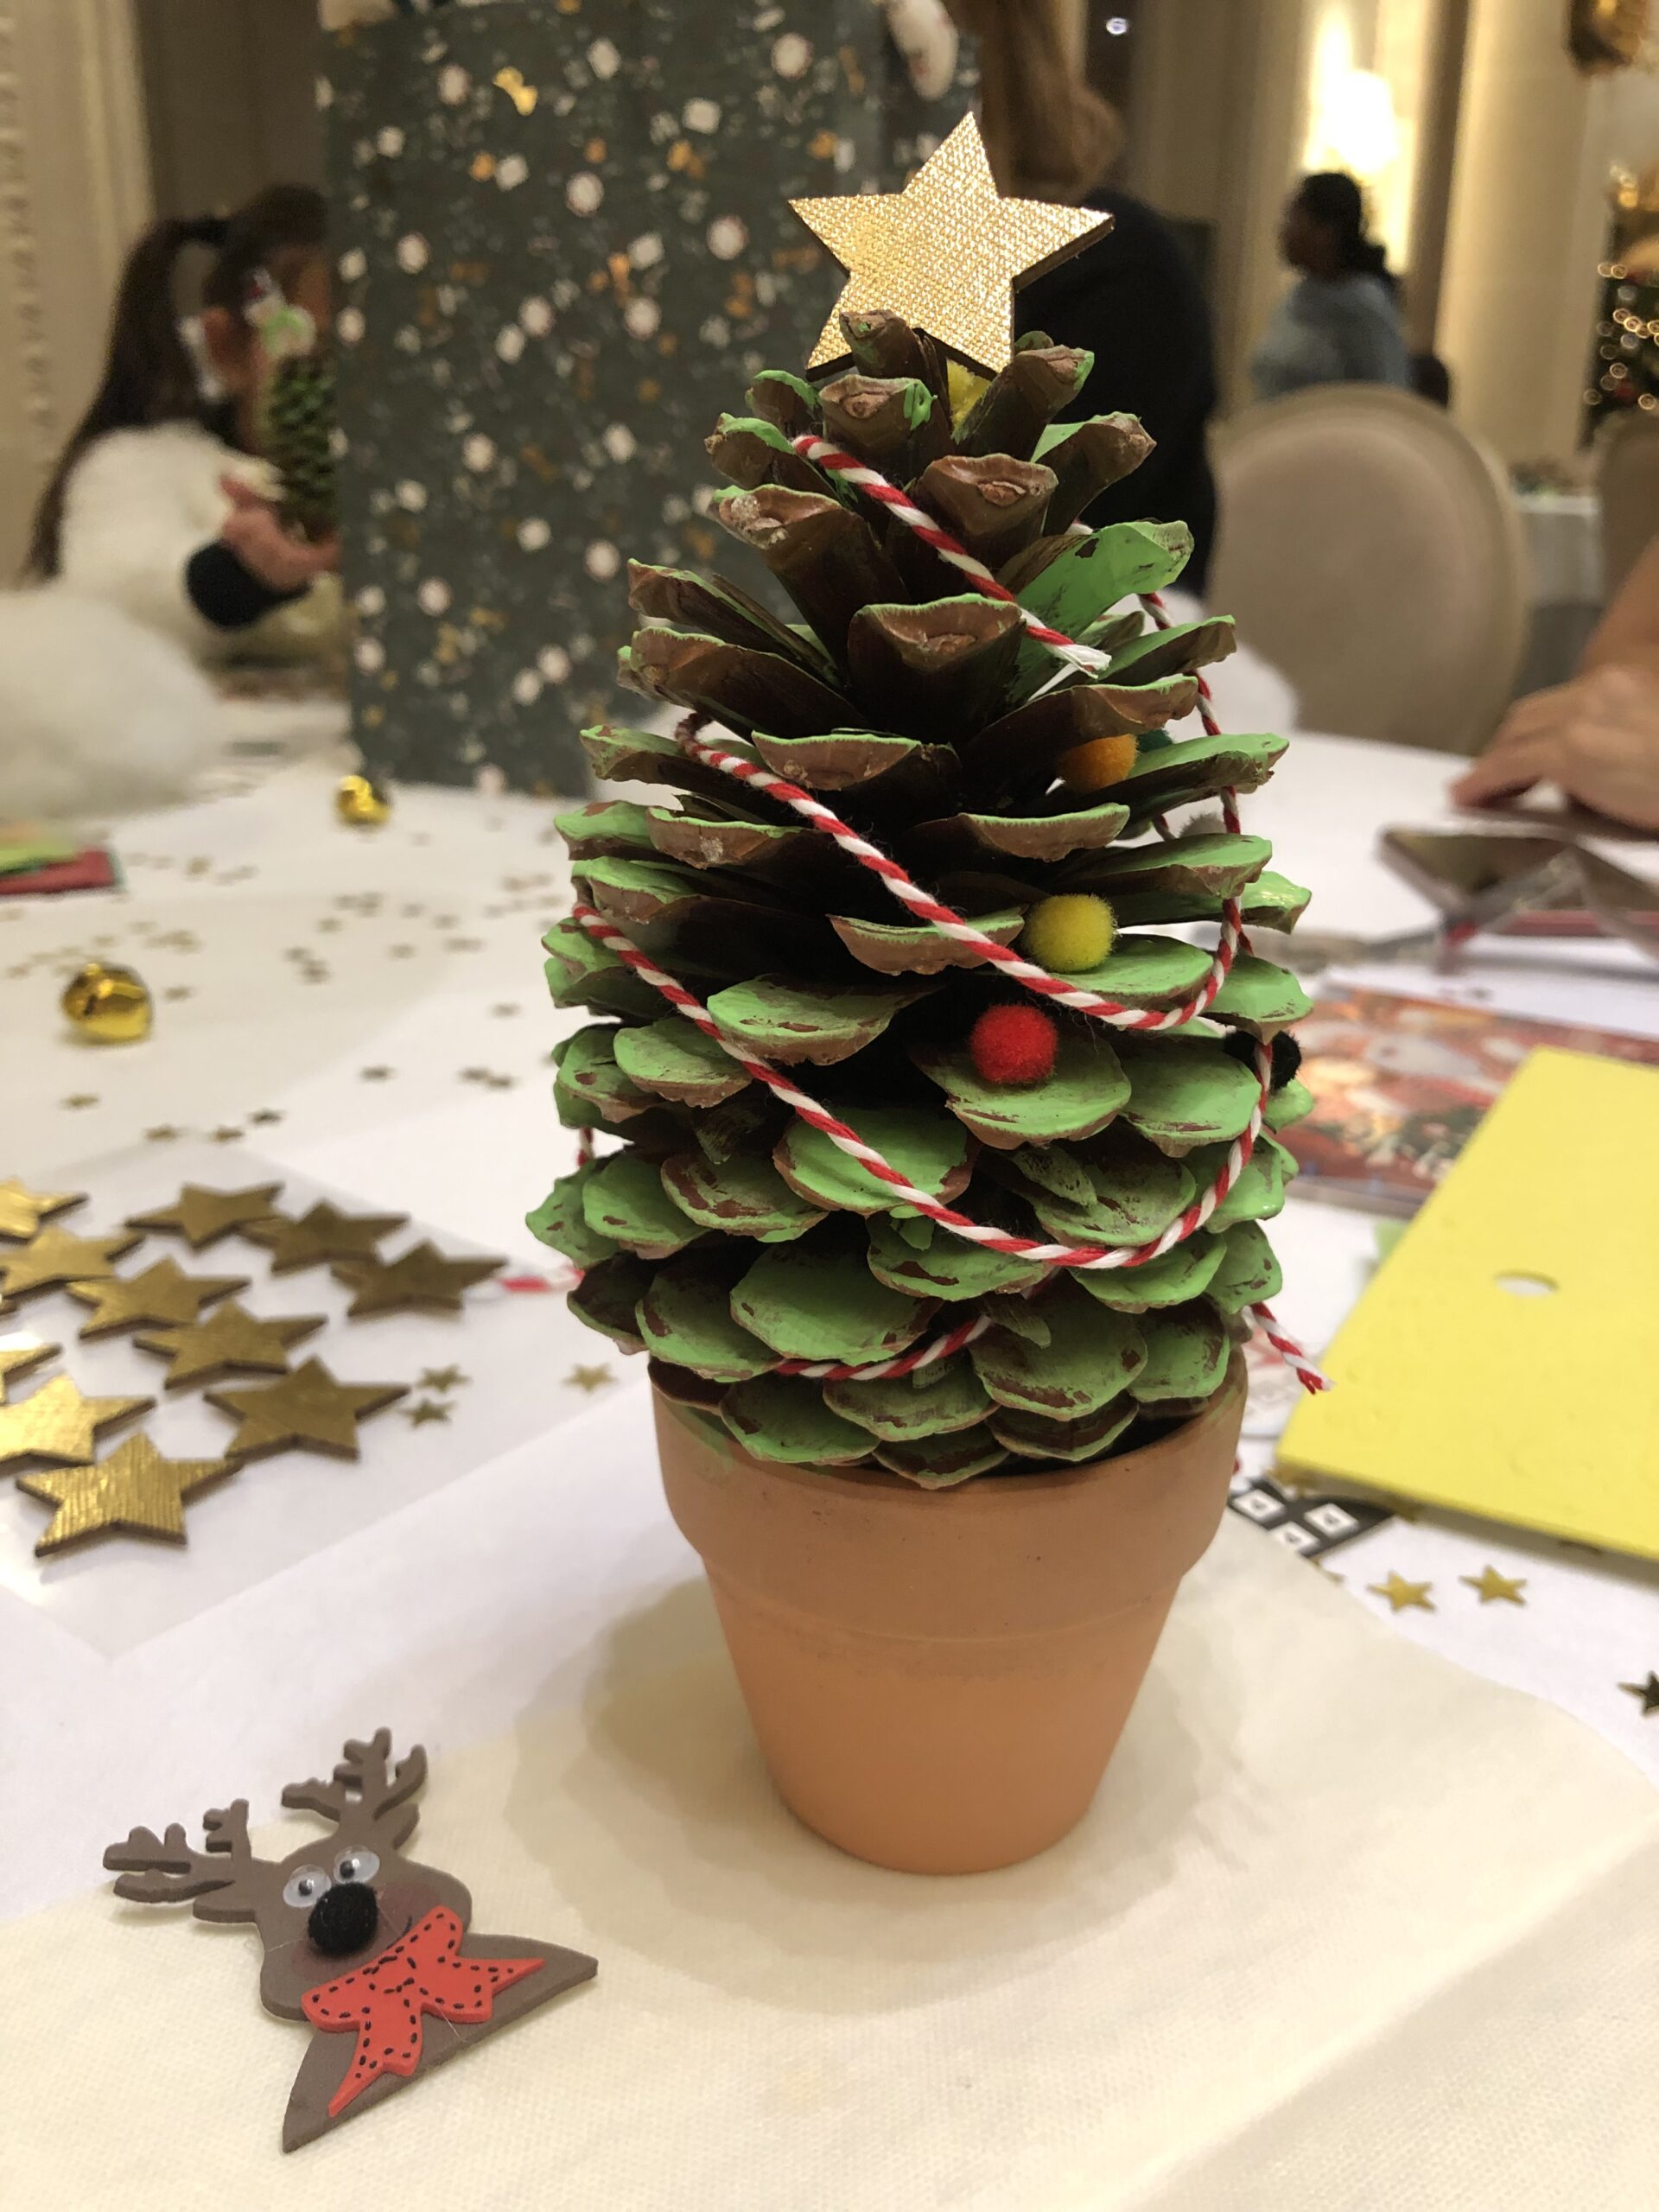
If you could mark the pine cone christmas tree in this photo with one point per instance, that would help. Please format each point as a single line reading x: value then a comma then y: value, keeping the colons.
x: 299, y: 439
x: 730, y: 1237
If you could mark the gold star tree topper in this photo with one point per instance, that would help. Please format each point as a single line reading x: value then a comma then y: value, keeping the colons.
x: 947, y: 253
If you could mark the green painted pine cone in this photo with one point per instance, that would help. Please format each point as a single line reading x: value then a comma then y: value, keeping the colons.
x: 726, y: 1236
x: 300, y: 422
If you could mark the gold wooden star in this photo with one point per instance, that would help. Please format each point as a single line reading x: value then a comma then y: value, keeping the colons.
x: 230, y: 1341
x: 202, y: 1216
x: 425, y: 1410
x: 322, y: 1233
x: 947, y: 253
x: 162, y: 1292
x: 55, y: 1422
x: 307, y: 1408
x: 17, y: 1359
x: 22, y: 1210
x: 1648, y: 1692
x: 421, y: 1279
x: 443, y: 1379
x: 1490, y: 1584
x: 1401, y: 1593
x: 588, y: 1378
x: 54, y: 1256
x: 135, y: 1489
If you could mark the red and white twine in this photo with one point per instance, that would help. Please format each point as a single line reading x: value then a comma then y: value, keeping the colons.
x: 1028, y: 974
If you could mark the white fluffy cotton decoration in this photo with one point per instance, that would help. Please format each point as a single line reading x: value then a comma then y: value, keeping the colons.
x: 99, y: 715
x: 927, y: 38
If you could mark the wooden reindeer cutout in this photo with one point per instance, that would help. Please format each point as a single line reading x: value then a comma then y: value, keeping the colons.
x: 364, y: 1943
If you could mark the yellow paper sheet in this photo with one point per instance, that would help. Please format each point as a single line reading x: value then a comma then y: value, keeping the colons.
x: 1455, y: 1386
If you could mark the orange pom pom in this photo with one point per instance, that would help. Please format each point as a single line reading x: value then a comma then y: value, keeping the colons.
x: 1095, y: 767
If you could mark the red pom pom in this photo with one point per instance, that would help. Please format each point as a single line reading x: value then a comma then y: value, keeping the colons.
x: 1014, y: 1043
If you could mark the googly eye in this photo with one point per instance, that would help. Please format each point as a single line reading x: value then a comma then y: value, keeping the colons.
x: 356, y: 1866
x: 305, y: 1886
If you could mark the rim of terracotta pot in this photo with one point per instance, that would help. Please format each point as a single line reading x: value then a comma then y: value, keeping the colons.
x: 1164, y: 1490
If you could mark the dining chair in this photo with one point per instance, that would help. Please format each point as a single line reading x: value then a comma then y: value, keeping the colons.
x: 1371, y: 550
x: 1627, y: 476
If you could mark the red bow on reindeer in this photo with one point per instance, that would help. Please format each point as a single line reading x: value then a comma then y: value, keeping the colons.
x: 386, y: 2000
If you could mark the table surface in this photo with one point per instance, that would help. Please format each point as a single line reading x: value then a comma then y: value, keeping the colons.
x: 365, y: 1012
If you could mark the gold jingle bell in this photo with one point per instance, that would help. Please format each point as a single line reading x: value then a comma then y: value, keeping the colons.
x: 109, y: 1006
x: 363, y: 804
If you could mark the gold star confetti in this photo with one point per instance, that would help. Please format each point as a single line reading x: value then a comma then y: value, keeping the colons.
x: 226, y: 1134
x: 1648, y: 1692
x: 162, y: 1292
x: 417, y: 1279
x: 376, y: 1075
x: 424, y: 1411
x: 947, y: 252
x: 1490, y: 1584
x: 54, y: 1256
x: 588, y: 1378
x: 165, y: 1135
x: 18, y: 1359
x: 22, y: 1210
x: 202, y: 1216
x: 263, y: 1117
x: 523, y: 96
x: 443, y: 1379
x: 307, y: 1408
x: 135, y: 1489
x: 80, y: 1100
x: 322, y: 1233
x: 1401, y: 1593
x: 56, y: 1422
x: 230, y: 1341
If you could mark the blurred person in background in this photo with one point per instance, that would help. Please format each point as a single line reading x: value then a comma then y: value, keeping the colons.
x: 159, y: 502
x: 1597, y: 738
x: 1340, y: 323
x: 1132, y: 299
x: 158, y: 544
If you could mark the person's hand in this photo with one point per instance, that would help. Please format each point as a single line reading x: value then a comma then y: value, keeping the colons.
x: 254, y: 531
x: 1598, y: 737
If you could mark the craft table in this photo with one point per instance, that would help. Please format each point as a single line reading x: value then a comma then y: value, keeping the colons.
x: 1298, y: 1955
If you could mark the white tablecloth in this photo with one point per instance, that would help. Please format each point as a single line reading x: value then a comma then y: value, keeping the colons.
x: 368, y: 1011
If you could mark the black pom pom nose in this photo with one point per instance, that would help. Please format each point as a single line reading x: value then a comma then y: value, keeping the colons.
x: 344, y: 1919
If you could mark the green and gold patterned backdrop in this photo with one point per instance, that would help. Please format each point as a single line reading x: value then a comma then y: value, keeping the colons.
x: 563, y: 247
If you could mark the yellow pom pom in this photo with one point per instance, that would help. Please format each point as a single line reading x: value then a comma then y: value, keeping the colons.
x: 966, y: 387
x: 1069, y: 933
x: 1102, y: 761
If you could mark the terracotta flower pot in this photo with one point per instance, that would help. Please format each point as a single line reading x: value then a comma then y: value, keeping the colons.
x: 938, y: 1679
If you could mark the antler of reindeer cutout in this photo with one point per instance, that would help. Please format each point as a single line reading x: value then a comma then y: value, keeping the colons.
x: 360, y: 1941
